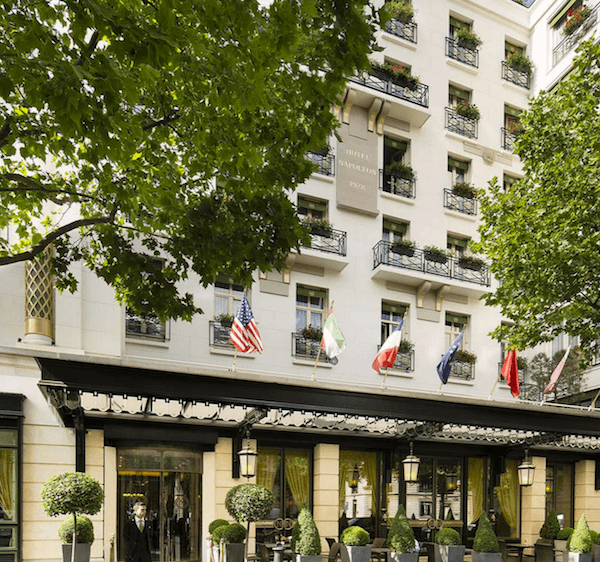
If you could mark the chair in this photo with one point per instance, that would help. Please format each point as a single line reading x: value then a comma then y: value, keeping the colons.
x: 263, y: 553
x: 330, y: 542
x: 544, y: 552
x: 506, y: 555
x: 334, y: 551
x: 378, y: 543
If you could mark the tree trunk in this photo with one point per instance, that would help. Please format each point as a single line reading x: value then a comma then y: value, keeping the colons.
x: 74, y: 537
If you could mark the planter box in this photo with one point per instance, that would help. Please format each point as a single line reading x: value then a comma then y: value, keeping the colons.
x: 444, y: 553
x: 562, y: 555
x: 307, y: 558
x: 466, y: 44
x: 234, y: 552
x: 381, y: 74
x: 403, y: 82
x: 595, y: 552
x: 82, y: 552
x: 430, y: 256
x: 487, y: 557
x: 403, y: 557
x: 404, y: 250
x: 325, y: 232
x: 578, y: 557
x: 359, y: 553
x: 465, y: 264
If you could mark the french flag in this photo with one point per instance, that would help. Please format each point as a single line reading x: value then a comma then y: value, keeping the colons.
x: 389, y: 350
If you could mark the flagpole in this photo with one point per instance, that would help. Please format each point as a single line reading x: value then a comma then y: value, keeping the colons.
x: 493, y: 390
x: 316, y: 363
x: 234, y: 359
x: 385, y: 377
x: 440, y: 389
x: 593, y: 404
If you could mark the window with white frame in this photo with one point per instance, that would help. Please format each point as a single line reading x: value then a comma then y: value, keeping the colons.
x: 559, y: 21
x: 311, y: 305
x: 227, y: 297
x: 455, y: 324
x: 391, y: 314
x: 312, y: 208
x: 393, y: 230
x: 457, y: 246
x: 395, y: 151
x: 457, y: 95
x: 509, y: 49
x: 456, y: 24
x: 459, y: 170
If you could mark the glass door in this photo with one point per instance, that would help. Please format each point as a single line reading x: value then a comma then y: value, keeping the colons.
x: 168, y: 481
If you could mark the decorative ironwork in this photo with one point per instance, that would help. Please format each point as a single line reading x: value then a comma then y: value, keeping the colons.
x: 392, y: 182
x: 402, y: 29
x: 218, y: 335
x: 461, y: 53
x: 560, y: 51
x: 516, y: 76
x: 303, y: 348
x: 39, y: 295
x: 332, y: 241
x: 508, y: 139
x: 460, y: 124
x: 460, y: 204
x: 418, y: 95
x: 325, y: 163
x: 462, y: 370
x: 415, y: 259
x: 146, y: 325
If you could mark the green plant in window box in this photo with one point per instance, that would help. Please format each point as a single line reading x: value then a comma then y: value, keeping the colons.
x: 471, y: 262
x: 404, y: 247
x: 405, y: 346
x: 399, y: 169
x: 400, y: 10
x: 397, y: 73
x: 468, y: 39
x: 226, y: 320
x: 575, y: 19
x: 519, y: 61
x: 515, y: 127
x: 464, y: 189
x: 468, y: 110
x: 464, y: 356
x: 522, y: 365
x: 433, y: 253
x: 312, y: 333
x: 320, y: 227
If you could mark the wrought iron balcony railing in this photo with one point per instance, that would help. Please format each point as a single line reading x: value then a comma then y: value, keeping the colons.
x: 516, y: 76
x: 331, y: 241
x: 392, y: 182
x: 404, y: 361
x: 303, y: 348
x: 325, y: 163
x: 508, y: 139
x: 147, y: 326
x: 522, y: 373
x: 462, y: 370
x: 460, y: 124
x: 459, y: 203
x: 463, y: 54
x: 560, y: 51
x: 419, y: 95
x: 415, y: 259
x: 404, y: 30
x: 218, y: 335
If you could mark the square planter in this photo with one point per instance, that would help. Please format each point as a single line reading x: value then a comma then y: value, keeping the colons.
x: 430, y: 256
x: 465, y: 264
x: 403, y: 557
x: 234, y: 552
x: 359, y: 553
x: 578, y: 556
x: 595, y: 551
x: 403, y: 250
x: 82, y: 552
x: 308, y: 558
x: 326, y: 233
x: 487, y: 557
x: 443, y: 553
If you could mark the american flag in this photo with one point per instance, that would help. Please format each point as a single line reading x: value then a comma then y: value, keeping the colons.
x: 244, y: 333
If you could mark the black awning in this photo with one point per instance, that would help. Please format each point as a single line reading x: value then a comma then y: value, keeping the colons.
x: 11, y: 405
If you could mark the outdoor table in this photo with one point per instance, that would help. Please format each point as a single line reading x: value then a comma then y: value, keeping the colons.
x: 519, y: 548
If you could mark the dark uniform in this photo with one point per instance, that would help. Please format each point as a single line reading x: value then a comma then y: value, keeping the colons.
x: 138, y: 544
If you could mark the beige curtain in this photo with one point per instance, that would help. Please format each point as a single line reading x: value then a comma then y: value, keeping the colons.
x: 508, y: 495
x: 296, y: 474
x: 267, y: 466
x: 476, y: 486
x: 7, y: 482
x: 367, y: 468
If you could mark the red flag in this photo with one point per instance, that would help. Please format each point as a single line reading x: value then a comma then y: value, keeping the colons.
x: 557, y: 372
x: 510, y: 372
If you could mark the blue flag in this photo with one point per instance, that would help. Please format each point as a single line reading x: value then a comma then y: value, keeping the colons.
x: 443, y: 368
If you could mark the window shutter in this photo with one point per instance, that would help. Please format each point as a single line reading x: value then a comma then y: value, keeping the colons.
x: 562, y: 12
x: 512, y: 111
x: 459, y: 24
x: 458, y: 242
x: 456, y: 319
x: 399, y: 227
x: 397, y: 144
x: 399, y: 309
x: 509, y: 47
x: 310, y: 204
x: 461, y: 94
x: 306, y: 292
x: 452, y: 162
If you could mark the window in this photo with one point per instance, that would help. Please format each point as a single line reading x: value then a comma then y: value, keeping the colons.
x: 398, y: 175
x: 458, y: 169
x: 457, y: 246
x: 456, y: 24
x: 558, y: 23
x: 359, y: 499
x: 227, y: 297
x: 455, y: 324
x: 507, y: 181
x: 506, y: 502
x: 9, y: 504
x: 391, y: 314
x: 457, y: 95
x: 394, y: 151
x: 393, y: 230
x: 509, y: 48
x: 559, y: 492
x: 557, y: 345
x: 310, y: 307
x: 312, y: 208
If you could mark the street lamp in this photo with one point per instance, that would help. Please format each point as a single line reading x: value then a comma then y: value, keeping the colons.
x: 353, y: 480
x: 411, y: 466
x: 526, y: 471
x: 247, y: 458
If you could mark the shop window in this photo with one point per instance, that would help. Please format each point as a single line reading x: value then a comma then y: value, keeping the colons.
x: 310, y: 307
x: 506, y: 502
x: 9, y: 500
x: 559, y: 492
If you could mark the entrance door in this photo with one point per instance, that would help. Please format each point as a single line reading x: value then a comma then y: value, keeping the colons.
x: 168, y: 481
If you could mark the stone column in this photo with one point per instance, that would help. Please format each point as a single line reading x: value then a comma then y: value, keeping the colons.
x: 587, y: 500
x: 325, y: 491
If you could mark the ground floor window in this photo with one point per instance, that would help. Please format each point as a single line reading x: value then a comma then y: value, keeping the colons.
x: 506, y: 502
x: 9, y: 517
x: 559, y: 492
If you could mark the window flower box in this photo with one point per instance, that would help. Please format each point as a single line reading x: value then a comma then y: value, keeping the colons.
x: 575, y: 19
x: 465, y: 356
x: 471, y: 262
x: 226, y: 320
x: 519, y: 61
x: 435, y: 254
x: 468, y: 110
x: 400, y: 10
x: 397, y: 73
x: 405, y: 346
x: 464, y: 189
x: 312, y: 333
x: 400, y: 170
x: 404, y: 247
x: 320, y: 227
x: 467, y: 39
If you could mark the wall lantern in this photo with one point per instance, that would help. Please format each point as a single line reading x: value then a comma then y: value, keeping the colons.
x: 526, y: 471
x: 411, y: 466
x: 451, y: 481
x: 247, y: 458
x: 353, y: 480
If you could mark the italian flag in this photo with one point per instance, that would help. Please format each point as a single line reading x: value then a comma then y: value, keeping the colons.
x: 333, y: 342
x: 389, y: 350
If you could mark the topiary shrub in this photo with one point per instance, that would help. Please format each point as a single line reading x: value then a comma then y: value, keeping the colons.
x: 235, y: 533
x: 581, y: 540
x: 401, y: 537
x: 564, y: 534
x: 355, y: 536
x: 295, y: 535
x: 485, y: 537
x: 85, y: 530
x: 249, y: 502
x: 595, y: 537
x: 218, y: 534
x: 551, y: 526
x: 447, y: 537
x: 217, y: 523
x: 309, y: 541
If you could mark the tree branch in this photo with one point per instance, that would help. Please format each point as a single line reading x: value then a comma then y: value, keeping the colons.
x: 32, y: 185
x: 91, y: 48
x: 165, y: 121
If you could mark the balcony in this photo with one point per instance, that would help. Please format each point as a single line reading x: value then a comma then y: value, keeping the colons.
x: 218, y: 335
x: 416, y: 260
x: 391, y: 182
x: 145, y: 326
x: 462, y: 370
x: 404, y: 30
x: 327, y: 250
x: 418, y: 94
x: 404, y: 361
x: 466, y: 55
x: 459, y: 203
x: 330, y: 241
x: 516, y: 76
x: 325, y: 163
x: 561, y: 50
x: 508, y: 139
x: 461, y: 125
x: 303, y: 348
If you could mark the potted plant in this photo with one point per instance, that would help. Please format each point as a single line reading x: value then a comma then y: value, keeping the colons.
x: 398, y: 169
x: 595, y: 546
x: 471, y: 262
x: 405, y: 346
x: 231, y: 539
x: 447, y: 547
x: 433, y: 253
x: 320, y: 227
x: 356, y: 541
x: 312, y: 333
x: 215, y: 536
x: 226, y: 320
x: 397, y: 73
x: 85, y: 538
x: 404, y: 247
x: 519, y: 61
x: 468, y: 110
x: 575, y: 19
x: 400, y: 10
x: 73, y: 493
x: 515, y: 127
x: 485, y: 544
x: 466, y: 38
x: 307, y: 546
x: 551, y: 527
x: 579, y: 544
x: 401, y: 539
x: 464, y: 189
x: 464, y: 356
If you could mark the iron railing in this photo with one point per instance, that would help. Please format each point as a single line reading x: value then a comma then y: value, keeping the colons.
x: 404, y: 361
x: 522, y: 373
x: 418, y: 95
x: 516, y: 76
x: 462, y: 370
x: 218, y: 335
x: 560, y: 51
x: 325, y: 163
x: 415, y: 259
x: 463, y: 54
x: 460, y: 124
x: 508, y: 139
x: 391, y: 182
x: 459, y: 203
x: 303, y: 348
x: 330, y: 241
x: 404, y: 30
x: 147, y: 326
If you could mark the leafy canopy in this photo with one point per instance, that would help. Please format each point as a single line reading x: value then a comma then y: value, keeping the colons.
x: 172, y: 129
x: 72, y: 493
x: 543, y: 233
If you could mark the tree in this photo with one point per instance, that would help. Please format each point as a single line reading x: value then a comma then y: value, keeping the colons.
x: 543, y: 232
x: 133, y: 130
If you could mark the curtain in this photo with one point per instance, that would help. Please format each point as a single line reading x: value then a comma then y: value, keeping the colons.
x: 267, y: 467
x: 508, y: 495
x: 476, y: 487
x: 7, y: 482
x: 296, y: 475
x: 367, y: 469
